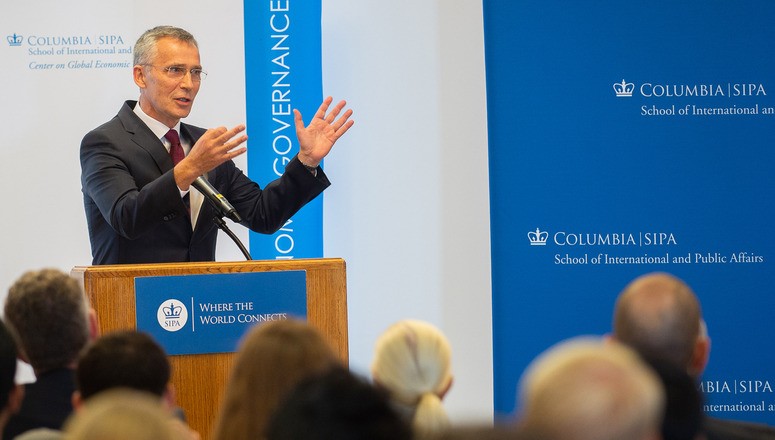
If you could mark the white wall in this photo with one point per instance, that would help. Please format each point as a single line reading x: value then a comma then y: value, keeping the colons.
x: 409, y: 205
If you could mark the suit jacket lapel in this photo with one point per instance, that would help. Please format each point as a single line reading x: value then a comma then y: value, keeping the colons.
x: 144, y: 138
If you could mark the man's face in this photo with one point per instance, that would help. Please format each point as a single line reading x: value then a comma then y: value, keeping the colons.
x: 163, y: 97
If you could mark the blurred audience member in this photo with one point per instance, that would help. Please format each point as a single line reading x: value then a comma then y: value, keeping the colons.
x: 337, y: 405
x: 659, y: 316
x: 121, y: 414
x: 587, y: 389
x: 49, y: 314
x: 124, y: 359
x: 271, y: 360
x: 412, y: 361
x: 484, y: 433
x: 130, y: 360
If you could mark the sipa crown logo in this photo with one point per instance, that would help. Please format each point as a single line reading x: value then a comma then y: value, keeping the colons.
x: 14, y: 40
x: 172, y: 315
x: 172, y: 311
x: 537, y: 237
x: 624, y: 89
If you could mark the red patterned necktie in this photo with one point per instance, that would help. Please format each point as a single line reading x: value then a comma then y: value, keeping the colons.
x: 177, y: 154
x: 176, y: 150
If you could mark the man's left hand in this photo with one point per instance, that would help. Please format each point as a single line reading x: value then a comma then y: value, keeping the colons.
x: 317, y: 138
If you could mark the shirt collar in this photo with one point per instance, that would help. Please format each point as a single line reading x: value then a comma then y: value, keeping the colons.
x: 156, y: 127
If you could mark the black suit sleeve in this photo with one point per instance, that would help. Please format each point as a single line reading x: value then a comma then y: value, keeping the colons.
x: 266, y: 210
x: 132, y: 194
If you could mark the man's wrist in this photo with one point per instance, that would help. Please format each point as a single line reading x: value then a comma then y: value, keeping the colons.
x: 310, y: 168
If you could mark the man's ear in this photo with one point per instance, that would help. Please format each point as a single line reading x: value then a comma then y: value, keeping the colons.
x: 168, y: 398
x: 94, y: 325
x: 77, y: 400
x: 700, y: 356
x: 139, y: 76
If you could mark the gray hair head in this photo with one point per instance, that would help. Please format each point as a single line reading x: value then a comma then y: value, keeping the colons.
x: 145, y: 47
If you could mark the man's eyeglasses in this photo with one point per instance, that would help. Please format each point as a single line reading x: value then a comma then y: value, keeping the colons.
x: 178, y: 72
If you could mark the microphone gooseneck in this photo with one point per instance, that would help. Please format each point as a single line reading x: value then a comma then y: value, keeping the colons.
x: 218, y: 201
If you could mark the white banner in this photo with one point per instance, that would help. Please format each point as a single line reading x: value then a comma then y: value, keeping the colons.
x: 67, y: 68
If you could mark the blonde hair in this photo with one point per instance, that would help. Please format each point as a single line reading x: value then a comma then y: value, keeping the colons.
x: 589, y: 389
x: 121, y: 414
x: 412, y: 361
x: 272, y: 359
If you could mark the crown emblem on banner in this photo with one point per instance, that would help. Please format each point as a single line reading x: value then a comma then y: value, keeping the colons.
x: 537, y: 237
x: 172, y: 312
x: 623, y: 89
x: 14, y: 40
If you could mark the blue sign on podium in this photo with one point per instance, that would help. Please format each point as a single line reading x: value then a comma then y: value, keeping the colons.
x: 197, y: 314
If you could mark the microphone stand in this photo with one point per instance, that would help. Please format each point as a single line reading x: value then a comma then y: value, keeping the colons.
x: 218, y: 219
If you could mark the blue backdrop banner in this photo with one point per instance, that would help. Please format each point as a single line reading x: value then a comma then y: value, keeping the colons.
x: 627, y: 138
x: 283, y: 72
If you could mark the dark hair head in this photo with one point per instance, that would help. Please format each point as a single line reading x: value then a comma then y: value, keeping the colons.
x: 337, y: 405
x: 124, y: 359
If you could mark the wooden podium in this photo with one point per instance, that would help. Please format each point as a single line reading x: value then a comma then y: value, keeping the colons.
x: 200, y: 380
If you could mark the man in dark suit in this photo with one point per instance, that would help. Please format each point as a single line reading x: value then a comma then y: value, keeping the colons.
x: 136, y: 181
x: 660, y: 317
x: 49, y: 315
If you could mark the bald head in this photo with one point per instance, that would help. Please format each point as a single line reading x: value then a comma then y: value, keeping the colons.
x: 659, y: 316
x: 587, y: 389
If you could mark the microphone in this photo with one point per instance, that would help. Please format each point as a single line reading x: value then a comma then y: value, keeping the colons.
x: 216, y: 199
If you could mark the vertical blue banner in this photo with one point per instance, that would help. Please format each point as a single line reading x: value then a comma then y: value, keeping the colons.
x: 283, y: 72
x: 628, y: 138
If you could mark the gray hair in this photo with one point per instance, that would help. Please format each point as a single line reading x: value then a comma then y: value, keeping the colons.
x: 145, y: 47
x: 49, y: 314
x: 589, y: 389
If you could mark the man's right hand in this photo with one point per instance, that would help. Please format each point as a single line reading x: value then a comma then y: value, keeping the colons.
x: 216, y: 146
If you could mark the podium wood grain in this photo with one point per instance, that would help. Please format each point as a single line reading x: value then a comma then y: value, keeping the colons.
x: 200, y: 380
